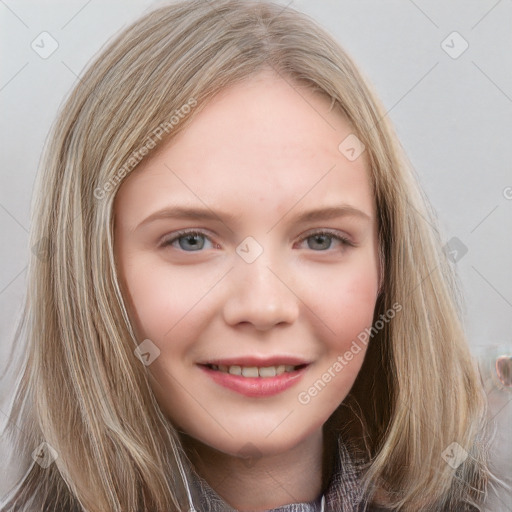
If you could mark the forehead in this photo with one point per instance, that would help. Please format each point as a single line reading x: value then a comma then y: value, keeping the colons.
x: 264, y: 142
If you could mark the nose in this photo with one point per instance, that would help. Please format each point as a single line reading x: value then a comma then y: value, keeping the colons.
x: 260, y: 294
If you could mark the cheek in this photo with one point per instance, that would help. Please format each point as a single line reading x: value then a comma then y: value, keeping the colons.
x: 346, y: 308
x: 352, y: 310
x: 344, y: 300
x: 162, y: 299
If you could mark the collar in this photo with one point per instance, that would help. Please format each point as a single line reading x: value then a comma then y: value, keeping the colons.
x: 341, y: 495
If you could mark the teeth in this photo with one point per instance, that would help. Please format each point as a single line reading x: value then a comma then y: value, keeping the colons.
x: 254, y: 371
x: 235, y: 370
x: 268, y: 371
x: 280, y: 369
x: 250, y: 371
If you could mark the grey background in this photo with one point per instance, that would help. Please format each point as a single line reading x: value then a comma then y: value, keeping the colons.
x: 453, y: 116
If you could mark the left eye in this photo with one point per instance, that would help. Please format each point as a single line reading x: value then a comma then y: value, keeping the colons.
x: 192, y: 241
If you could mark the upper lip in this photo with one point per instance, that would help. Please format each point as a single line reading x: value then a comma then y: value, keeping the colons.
x: 258, y: 361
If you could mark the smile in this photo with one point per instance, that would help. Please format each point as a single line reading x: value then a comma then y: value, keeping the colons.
x: 255, y: 371
x: 255, y: 381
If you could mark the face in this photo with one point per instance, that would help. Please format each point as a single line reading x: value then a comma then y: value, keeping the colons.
x: 247, y: 252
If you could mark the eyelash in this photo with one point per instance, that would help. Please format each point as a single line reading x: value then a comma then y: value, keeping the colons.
x: 184, y: 233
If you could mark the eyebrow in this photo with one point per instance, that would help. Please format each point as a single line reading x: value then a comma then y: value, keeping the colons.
x: 183, y: 212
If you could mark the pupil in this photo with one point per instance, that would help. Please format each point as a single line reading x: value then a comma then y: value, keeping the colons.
x: 193, y: 241
x: 321, y: 239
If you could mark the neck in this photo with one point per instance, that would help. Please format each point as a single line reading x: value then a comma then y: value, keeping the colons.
x: 264, y: 482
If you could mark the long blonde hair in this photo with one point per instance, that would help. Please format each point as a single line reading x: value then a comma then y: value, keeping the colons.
x: 85, y: 393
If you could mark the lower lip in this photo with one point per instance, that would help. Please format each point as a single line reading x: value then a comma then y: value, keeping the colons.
x: 256, y: 386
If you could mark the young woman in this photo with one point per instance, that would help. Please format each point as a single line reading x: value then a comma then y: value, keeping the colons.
x: 238, y: 301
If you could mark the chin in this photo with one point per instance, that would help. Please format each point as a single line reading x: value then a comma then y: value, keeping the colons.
x: 256, y: 442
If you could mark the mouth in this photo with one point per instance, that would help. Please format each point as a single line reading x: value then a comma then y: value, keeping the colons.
x: 262, y: 372
x: 255, y: 377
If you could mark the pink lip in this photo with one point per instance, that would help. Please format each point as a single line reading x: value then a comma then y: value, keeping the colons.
x: 255, y: 386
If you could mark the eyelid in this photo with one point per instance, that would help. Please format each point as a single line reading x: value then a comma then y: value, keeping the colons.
x: 345, y: 239
x: 167, y: 240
